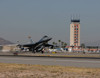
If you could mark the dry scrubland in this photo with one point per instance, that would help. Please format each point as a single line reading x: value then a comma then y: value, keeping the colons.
x: 42, y: 71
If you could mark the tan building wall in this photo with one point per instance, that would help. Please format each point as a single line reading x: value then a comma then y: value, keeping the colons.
x: 71, y: 34
x: 7, y: 48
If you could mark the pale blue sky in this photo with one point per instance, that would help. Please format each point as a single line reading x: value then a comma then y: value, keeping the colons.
x: 21, y: 18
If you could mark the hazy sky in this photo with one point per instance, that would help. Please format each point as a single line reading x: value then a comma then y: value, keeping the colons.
x: 21, y: 18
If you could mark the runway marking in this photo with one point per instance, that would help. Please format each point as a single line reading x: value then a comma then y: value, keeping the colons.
x: 53, y: 60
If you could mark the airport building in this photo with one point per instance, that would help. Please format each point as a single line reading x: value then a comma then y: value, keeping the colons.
x: 75, y: 32
x: 8, y: 48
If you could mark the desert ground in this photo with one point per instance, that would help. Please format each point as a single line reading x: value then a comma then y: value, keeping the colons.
x: 44, y: 71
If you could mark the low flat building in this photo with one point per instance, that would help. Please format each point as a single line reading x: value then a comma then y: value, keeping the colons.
x: 8, y: 48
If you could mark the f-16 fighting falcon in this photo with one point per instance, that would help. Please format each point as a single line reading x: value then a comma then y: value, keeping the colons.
x: 37, y: 46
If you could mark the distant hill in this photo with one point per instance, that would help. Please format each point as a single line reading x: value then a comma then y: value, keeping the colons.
x: 4, y: 42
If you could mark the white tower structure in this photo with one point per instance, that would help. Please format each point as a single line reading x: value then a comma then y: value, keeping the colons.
x: 75, y: 32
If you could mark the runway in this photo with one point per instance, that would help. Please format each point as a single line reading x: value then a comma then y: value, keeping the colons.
x: 73, y: 62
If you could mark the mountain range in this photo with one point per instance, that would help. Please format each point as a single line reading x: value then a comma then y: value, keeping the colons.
x: 4, y: 42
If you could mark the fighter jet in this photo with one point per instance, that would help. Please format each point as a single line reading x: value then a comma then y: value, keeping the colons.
x: 38, y: 46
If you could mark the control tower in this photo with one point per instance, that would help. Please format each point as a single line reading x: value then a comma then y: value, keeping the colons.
x: 75, y: 32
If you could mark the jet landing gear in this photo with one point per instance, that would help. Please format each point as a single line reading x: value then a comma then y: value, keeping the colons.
x: 33, y: 51
x: 42, y: 50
